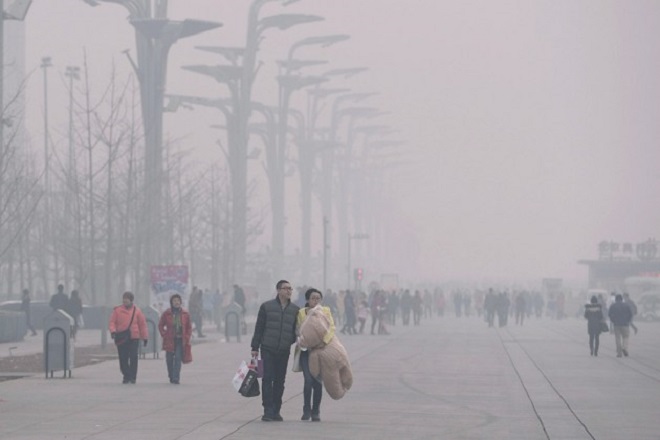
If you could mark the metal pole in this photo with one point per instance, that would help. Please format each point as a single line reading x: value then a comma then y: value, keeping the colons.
x: 45, y: 64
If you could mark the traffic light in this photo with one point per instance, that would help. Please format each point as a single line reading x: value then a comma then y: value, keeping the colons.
x: 358, y: 274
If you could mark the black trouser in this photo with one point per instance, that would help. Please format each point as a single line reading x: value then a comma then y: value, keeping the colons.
x: 272, y: 386
x: 594, y: 341
x: 312, y: 386
x: 128, y: 359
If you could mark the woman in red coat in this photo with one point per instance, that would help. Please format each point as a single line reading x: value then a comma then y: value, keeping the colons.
x: 175, y: 328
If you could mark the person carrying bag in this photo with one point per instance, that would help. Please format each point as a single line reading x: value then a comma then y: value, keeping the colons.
x: 128, y: 338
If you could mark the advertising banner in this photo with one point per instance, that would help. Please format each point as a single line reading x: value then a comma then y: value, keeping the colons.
x: 165, y: 282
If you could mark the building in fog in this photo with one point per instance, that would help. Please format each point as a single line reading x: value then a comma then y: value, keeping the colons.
x: 620, y: 265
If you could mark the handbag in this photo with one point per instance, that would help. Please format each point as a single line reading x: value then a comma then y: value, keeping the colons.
x: 296, y: 368
x: 245, y: 381
x: 124, y: 335
x: 250, y: 385
x: 187, y: 354
x: 604, y: 328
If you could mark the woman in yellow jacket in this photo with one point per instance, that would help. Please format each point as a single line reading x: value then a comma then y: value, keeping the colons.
x: 312, y: 386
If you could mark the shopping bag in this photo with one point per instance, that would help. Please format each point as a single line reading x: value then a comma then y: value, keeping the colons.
x: 250, y: 385
x: 604, y: 328
x: 296, y: 368
x: 240, y: 375
x: 187, y: 354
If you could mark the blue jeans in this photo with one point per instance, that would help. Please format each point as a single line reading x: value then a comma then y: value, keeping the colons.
x: 311, y: 385
x: 272, y: 385
x: 173, y: 360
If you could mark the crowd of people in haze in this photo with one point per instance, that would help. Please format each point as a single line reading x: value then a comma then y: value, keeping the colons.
x: 350, y: 312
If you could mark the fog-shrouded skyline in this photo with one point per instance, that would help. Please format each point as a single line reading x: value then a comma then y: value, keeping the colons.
x: 530, y: 128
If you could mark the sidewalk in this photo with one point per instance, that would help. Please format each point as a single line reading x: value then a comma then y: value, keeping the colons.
x: 446, y: 379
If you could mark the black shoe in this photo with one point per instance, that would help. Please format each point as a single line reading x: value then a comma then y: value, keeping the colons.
x: 132, y: 381
x: 625, y: 353
x: 316, y: 418
x: 174, y: 382
x: 306, y: 416
x: 266, y: 418
x: 278, y: 418
x: 125, y: 381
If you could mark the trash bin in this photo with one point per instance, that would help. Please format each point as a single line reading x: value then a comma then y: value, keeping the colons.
x: 152, y: 317
x: 58, y: 342
x: 233, y: 322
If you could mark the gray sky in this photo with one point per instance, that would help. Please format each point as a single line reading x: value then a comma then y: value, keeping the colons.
x: 531, y: 126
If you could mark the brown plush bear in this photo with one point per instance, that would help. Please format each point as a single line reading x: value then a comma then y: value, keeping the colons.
x: 327, y: 362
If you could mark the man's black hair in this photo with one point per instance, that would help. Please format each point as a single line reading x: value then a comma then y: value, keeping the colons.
x: 278, y: 286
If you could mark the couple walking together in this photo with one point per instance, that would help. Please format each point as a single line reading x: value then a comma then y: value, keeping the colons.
x: 276, y: 330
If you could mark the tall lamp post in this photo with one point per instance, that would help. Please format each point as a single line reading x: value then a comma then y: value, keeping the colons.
x: 49, y: 238
x: 288, y: 83
x: 239, y: 77
x: 155, y: 35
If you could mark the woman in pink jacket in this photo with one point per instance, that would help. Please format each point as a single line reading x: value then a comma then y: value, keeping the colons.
x: 127, y: 326
x: 176, y: 330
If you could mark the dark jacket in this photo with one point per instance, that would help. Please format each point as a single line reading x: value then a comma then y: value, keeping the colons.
x: 620, y: 314
x: 275, y: 329
x: 59, y: 301
x: 595, y: 318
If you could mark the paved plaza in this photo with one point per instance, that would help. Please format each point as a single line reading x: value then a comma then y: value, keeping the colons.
x: 449, y: 378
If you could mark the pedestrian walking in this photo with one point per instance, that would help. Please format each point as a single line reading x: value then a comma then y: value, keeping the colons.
x: 127, y: 327
x: 59, y: 301
x: 593, y: 312
x: 176, y: 331
x: 349, y: 310
x: 313, y: 388
x: 490, y: 305
x: 620, y: 316
x: 25, y: 307
x: 362, y: 314
x: 274, y: 333
x: 406, y: 305
x: 75, y: 309
x: 417, y: 307
x: 196, y: 307
x: 520, y: 307
x: 633, y: 308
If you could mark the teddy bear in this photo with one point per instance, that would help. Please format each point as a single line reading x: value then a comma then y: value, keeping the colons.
x: 327, y: 362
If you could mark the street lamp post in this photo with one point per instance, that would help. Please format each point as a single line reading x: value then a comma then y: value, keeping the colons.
x: 343, y: 177
x: 73, y: 74
x: 277, y: 171
x: 49, y: 239
x: 243, y: 61
x: 155, y: 35
x: 359, y: 236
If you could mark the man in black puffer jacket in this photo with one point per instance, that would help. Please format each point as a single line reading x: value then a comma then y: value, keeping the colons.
x: 274, y: 333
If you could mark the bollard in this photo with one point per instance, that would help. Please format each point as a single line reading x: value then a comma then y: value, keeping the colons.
x: 58, y: 349
x: 233, y: 322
